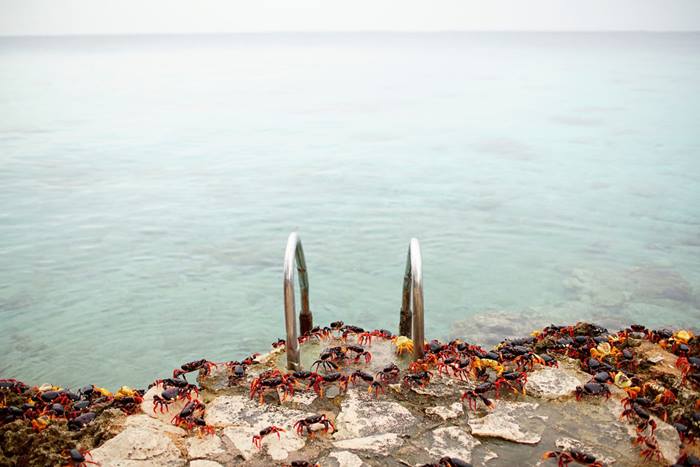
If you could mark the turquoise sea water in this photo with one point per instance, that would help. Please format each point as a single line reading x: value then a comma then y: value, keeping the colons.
x: 148, y: 185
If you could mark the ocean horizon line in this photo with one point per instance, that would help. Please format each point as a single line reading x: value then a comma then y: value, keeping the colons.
x: 358, y: 31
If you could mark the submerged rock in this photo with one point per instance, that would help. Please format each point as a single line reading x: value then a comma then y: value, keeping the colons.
x: 490, y: 327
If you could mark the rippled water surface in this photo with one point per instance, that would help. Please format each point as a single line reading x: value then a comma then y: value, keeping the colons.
x: 148, y: 185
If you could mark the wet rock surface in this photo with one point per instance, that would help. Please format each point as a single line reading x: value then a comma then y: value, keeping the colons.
x: 446, y: 413
x: 452, y: 441
x: 510, y: 421
x: 360, y: 415
x: 143, y: 442
x: 555, y: 383
x: 344, y: 459
x: 408, y: 424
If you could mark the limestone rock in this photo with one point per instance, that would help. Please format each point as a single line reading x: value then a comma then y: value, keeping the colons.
x: 454, y: 442
x: 204, y: 463
x: 138, y: 446
x: 207, y: 446
x: 453, y: 411
x: 216, y: 380
x: 664, y: 362
x: 440, y: 386
x: 302, y: 398
x: 277, y: 448
x: 505, y: 421
x: 144, y: 421
x: 566, y: 444
x: 667, y: 436
x: 242, y: 440
x: 489, y: 455
x: 240, y: 410
x: 346, y: 459
x: 554, y: 383
x: 171, y: 409
x: 669, y: 441
x: 381, y: 444
x: 362, y: 416
x: 243, y: 419
x: 288, y: 442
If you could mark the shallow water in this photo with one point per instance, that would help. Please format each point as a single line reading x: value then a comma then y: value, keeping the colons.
x: 148, y: 185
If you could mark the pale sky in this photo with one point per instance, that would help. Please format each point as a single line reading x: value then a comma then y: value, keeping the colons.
x: 211, y: 16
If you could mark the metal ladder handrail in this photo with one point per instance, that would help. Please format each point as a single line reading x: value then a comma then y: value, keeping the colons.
x: 294, y: 252
x: 411, y: 321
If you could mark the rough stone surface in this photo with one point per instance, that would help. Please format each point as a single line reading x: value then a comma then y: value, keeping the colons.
x: 302, y: 398
x: 346, y: 459
x: 243, y: 419
x: 139, y: 445
x: 454, y: 442
x: 362, y: 416
x: 171, y: 410
x: 490, y: 455
x: 144, y: 421
x: 240, y: 410
x: 242, y: 440
x: 204, y: 463
x: 381, y: 444
x: 440, y: 386
x: 570, y: 443
x: 505, y: 422
x: 207, y: 446
x: 216, y: 380
x: 669, y: 442
x: 554, y: 383
x: 664, y: 362
x: 403, y: 426
x: 453, y: 411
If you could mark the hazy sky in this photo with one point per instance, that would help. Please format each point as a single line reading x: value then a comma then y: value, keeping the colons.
x: 172, y: 16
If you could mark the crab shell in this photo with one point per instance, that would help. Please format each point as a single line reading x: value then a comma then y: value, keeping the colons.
x: 683, y: 336
x: 403, y: 344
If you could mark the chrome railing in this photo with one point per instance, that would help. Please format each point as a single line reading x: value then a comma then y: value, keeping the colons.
x: 411, y: 322
x: 294, y: 252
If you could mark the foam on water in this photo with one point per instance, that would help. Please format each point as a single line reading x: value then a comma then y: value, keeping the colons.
x: 148, y: 184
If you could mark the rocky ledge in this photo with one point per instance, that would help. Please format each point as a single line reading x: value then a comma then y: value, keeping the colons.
x: 510, y: 406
